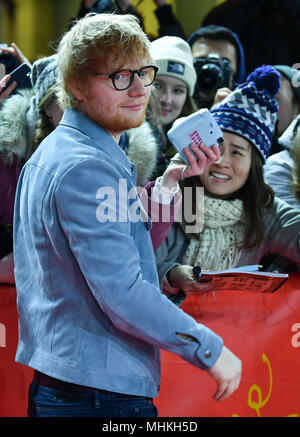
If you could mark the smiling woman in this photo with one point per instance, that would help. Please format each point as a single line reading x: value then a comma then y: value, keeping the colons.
x: 232, y: 170
x: 243, y: 221
x: 173, y: 88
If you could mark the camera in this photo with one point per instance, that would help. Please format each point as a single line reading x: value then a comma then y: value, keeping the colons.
x: 196, y: 128
x: 7, y: 59
x: 212, y: 73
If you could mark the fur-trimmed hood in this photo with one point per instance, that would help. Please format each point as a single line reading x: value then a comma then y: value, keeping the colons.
x: 17, y: 125
x: 142, y: 151
x: 286, y: 140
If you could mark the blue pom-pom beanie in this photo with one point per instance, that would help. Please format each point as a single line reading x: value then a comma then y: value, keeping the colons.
x: 251, y: 109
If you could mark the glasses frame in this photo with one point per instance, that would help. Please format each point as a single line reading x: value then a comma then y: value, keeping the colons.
x: 133, y: 72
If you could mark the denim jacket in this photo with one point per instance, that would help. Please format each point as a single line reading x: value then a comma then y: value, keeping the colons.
x: 90, y: 309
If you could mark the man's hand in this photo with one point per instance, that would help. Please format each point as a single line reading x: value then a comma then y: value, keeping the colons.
x: 227, y: 372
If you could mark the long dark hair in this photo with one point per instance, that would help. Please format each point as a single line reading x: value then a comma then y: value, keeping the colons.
x: 255, y: 195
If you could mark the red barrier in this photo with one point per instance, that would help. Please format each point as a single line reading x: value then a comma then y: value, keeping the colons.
x: 14, y: 378
x: 262, y: 329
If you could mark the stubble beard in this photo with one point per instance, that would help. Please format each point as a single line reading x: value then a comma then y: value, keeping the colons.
x: 119, y: 124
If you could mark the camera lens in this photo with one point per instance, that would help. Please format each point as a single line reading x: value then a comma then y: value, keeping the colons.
x: 210, y: 77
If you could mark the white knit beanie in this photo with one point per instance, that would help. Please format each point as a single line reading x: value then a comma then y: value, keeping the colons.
x: 173, y: 57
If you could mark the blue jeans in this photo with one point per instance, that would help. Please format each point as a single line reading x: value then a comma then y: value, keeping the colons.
x: 48, y: 402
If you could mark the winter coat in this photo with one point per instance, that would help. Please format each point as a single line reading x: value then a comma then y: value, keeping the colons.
x: 282, y: 237
x: 278, y: 167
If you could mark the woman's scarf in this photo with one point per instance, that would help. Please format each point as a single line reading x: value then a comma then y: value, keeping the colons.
x: 217, y: 247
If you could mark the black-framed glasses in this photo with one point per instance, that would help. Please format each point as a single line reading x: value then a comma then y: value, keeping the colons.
x: 123, y: 79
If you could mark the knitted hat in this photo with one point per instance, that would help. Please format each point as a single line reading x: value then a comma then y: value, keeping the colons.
x: 251, y: 109
x: 44, y: 74
x: 173, y: 57
x: 290, y: 73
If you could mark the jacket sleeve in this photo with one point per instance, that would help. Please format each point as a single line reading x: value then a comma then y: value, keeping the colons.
x: 117, y: 273
x: 161, y: 214
x: 282, y: 223
x: 169, y: 254
x: 278, y: 174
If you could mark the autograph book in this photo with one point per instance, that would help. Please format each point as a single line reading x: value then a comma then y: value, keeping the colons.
x: 247, y: 278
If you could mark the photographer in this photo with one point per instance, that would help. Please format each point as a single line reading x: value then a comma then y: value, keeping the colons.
x: 219, y: 62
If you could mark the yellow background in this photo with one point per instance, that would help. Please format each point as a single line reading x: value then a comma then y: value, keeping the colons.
x: 36, y: 25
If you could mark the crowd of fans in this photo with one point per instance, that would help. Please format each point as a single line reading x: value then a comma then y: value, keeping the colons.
x: 215, y: 62
x: 251, y: 193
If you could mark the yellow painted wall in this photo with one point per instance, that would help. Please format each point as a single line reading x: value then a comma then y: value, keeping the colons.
x: 38, y: 24
x: 189, y: 12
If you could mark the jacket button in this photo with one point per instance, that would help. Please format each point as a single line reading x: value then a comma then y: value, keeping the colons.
x: 207, y: 354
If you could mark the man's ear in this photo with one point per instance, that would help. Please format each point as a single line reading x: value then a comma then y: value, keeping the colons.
x: 77, y: 89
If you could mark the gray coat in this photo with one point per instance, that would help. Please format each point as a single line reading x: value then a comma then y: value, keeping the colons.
x: 278, y: 167
x: 282, y: 237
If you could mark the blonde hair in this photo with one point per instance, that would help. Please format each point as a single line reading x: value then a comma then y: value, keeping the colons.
x: 95, y: 41
x: 296, y: 167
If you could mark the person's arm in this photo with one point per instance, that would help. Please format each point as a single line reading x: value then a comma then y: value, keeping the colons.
x: 278, y: 174
x: 168, y: 23
x: 16, y: 52
x: 164, y: 197
x: 282, y: 223
x: 111, y: 264
x: 9, y: 90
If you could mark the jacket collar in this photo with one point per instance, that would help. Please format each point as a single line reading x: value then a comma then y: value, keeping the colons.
x: 101, y: 139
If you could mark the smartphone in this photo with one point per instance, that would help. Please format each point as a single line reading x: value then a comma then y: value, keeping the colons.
x: 199, y: 127
x: 21, y: 75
